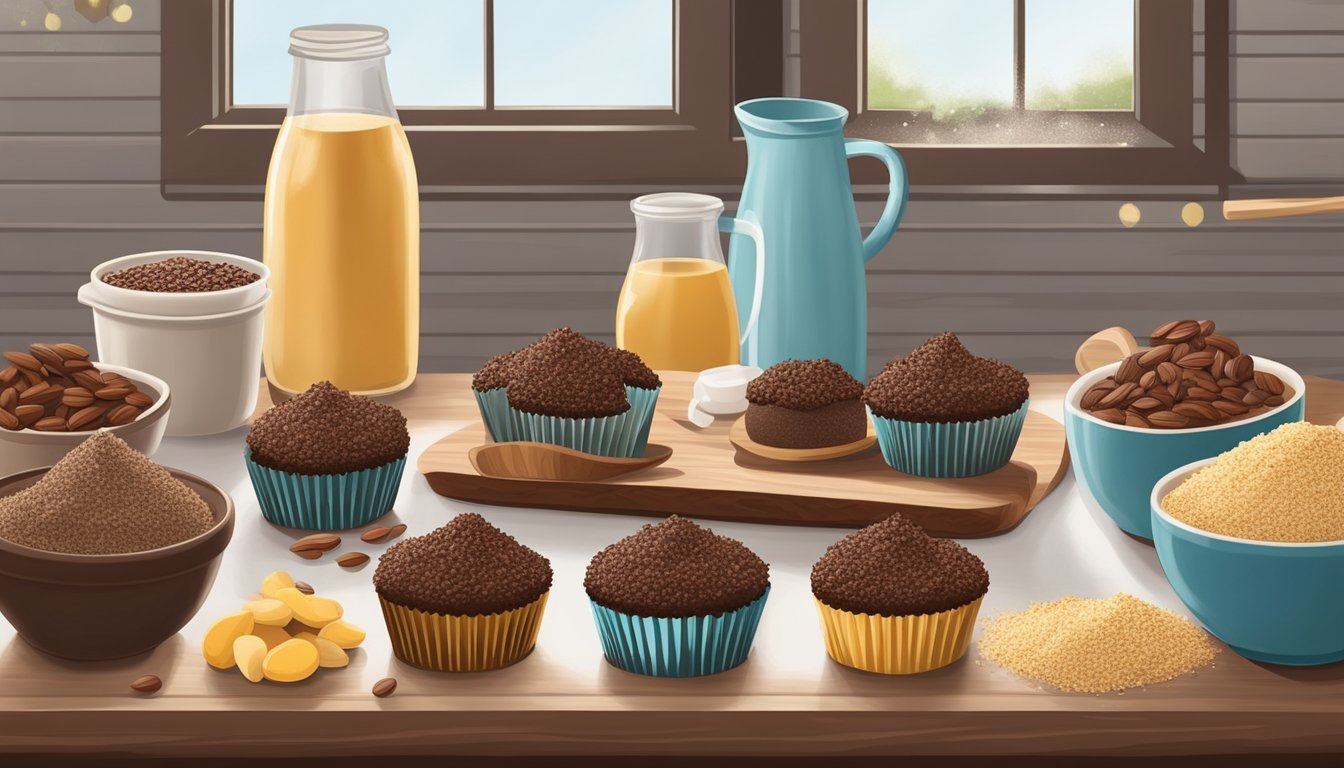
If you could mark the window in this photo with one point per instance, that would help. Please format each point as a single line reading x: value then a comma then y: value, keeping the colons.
x: 1028, y: 92
x: 497, y: 96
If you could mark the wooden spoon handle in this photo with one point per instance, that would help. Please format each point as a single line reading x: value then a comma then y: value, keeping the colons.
x: 1103, y: 348
x: 1248, y: 210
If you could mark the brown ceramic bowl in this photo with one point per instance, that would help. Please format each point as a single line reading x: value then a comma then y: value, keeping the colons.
x: 99, y: 607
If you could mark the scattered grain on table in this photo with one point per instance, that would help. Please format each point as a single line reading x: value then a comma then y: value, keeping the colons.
x: 1088, y: 645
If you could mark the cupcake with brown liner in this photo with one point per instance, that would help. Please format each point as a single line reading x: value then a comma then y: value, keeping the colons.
x: 943, y: 412
x: 466, y: 597
x: 569, y: 390
x: 676, y: 600
x: 805, y: 404
x: 896, y: 601
x: 327, y: 460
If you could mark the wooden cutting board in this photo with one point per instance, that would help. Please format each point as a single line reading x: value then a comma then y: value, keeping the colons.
x: 708, y: 478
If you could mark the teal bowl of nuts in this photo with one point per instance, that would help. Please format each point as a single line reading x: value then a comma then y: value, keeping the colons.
x: 1272, y: 601
x: 1118, y: 463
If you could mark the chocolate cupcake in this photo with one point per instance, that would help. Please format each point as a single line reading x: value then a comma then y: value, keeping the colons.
x: 676, y: 600
x: 942, y: 412
x: 805, y: 404
x: 894, y: 600
x: 569, y: 390
x: 326, y: 459
x: 466, y: 597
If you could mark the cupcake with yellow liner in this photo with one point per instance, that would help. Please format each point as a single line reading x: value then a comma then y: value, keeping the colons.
x: 466, y: 597
x: 896, y: 601
x: 676, y: 600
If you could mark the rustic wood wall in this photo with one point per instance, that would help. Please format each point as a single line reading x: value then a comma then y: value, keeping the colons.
x: 79, y: 183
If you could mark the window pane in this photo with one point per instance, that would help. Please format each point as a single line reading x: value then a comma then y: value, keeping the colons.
x: 438, y: 47
x: 589, y: 53
x: 951, y: 57
x: 1080, y: 55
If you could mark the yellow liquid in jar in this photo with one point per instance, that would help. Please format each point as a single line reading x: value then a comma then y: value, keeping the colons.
x: 678, y: 314
x: 342, y: 240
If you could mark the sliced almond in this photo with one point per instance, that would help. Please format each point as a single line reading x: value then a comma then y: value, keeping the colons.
x: 352, y: 559
x: 316, y: 542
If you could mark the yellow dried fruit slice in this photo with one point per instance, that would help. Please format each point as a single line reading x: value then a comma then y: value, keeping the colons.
x: 271, y: 634
x: 344, y: 634
x: 290, y: 662
x: 248, y: 653
x: 309, y: 609
x: 330, y: 655
x: 275, y: 582
x: 269, y: 611
x: 217, y: 646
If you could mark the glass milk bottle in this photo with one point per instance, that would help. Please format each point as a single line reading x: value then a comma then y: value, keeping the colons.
x: 342, y: 222
x: 676, y: 308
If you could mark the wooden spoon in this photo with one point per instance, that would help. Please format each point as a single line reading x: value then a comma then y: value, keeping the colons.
x: 543, y: 461
x: 1248, y: 210
x: 1110, y: 345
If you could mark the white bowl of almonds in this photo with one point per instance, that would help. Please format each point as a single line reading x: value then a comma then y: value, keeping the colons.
x: 52, y: 398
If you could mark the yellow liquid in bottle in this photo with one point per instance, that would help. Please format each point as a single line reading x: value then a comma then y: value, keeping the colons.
x: 342, y: 240
x: 678, y: 314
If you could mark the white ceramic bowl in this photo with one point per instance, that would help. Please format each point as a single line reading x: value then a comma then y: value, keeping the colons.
x: 212, y: 362
x: 176, y: 304
x: 28, y: 448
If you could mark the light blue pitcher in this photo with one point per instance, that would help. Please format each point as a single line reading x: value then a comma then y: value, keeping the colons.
x: 815, y: 298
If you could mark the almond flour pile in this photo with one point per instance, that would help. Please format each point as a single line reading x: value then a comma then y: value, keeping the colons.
x: 104, y: 498
x: 1286, y: 485
x: 1085, y: 645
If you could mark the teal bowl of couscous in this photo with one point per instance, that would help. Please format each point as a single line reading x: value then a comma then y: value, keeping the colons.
x: 1271, y: 601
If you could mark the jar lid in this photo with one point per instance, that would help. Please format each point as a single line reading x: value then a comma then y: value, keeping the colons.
x: 339, y: 42
x: 677, y: 206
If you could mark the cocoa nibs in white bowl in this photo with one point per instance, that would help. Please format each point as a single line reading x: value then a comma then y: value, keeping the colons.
x: 181, y: 274
x: 1189, y: 377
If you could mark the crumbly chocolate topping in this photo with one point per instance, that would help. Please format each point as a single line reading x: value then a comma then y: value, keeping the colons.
x: 804, y: 385
x: 676, y: 568
x: 941, y: 381
x: 893, y: 568
x: 500, y: 369
x: 569, y: 376
x: 328, y: 431
x: 181, y: 274
x: 466, y: 568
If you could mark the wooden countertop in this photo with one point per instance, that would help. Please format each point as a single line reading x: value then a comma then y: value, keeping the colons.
x: 789, y: 699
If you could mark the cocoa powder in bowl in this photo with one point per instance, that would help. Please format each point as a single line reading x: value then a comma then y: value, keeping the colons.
x: 676, y: 569
x: 104, y: 498
x: 894, y: 568
x: 465, y: 568
x: 181, y: 274
x: 942, y: 382
x: 327, y: 431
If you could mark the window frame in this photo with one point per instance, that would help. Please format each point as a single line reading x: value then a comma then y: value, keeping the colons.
x: 211, y: 148
x: 832, y: 50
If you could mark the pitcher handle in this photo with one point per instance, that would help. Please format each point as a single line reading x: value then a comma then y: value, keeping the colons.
x: 898, y: 188
x: 743, y: 227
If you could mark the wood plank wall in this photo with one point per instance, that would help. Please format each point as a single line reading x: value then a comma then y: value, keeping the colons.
x: 1025, y: 281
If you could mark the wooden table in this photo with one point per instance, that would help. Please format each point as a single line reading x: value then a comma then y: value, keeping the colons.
x: 789, y: 699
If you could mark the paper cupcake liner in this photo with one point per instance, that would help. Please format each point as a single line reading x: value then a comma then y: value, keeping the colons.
x: 494, y: 405
x: 443, y: 643
x: 898, y: 645
x: 956, y: 449
x: 678, y: 647
x: 625, y: 435
x: 325, y: 502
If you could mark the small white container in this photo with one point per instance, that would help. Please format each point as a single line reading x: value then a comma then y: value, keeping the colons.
x: 29, y: 448
x: 720, y: 391
x: 212, y: 362
x: 177, y: 304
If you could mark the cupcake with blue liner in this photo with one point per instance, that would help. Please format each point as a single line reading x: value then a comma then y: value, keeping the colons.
x: 676, y: 600
x: 942, y: 412
x: 569, y: 390
x: 327, y: 460
x: 490, y: 387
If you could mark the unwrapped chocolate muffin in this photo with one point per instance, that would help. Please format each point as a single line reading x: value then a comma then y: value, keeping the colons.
x: 894, y: 600
x: 567, y: 389
x: 465, y: 597
x: 677, y: 579
x: 327, y: 459
x: 943, y: 412
x: 805, y: 404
